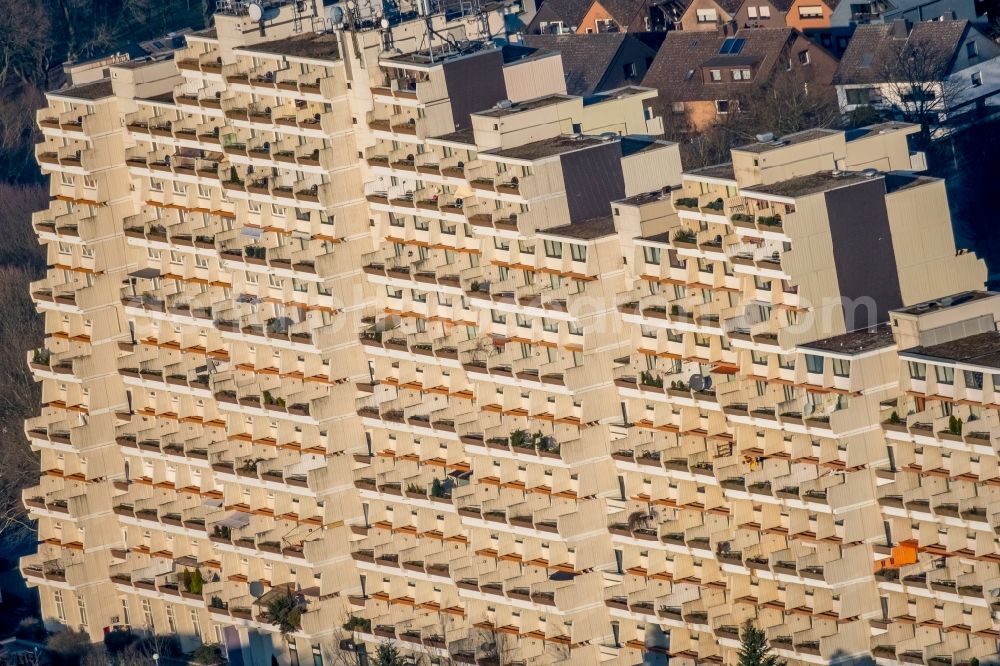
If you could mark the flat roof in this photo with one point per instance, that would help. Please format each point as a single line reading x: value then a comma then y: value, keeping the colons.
x: 518, y: 107
x: 90, y: 91
x: 820, y: 181
x: 946, y: 302
x: 435, y: 57
x: 548, y: 147
x: 317, y: 46
x: 787, y: 140
x: 645, y: 197
x: 880, y: 128
x: 721, y: 171
x: 981, y: 349
x: 584, y: 229
x: 617, y: 93
x: 855, y: 342
x: 462, y: 136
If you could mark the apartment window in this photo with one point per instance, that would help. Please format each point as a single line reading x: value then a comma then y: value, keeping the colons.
x: 277, y: 210
x: 715, y: 74
x: 200, y: 261
x: 171, y: 619
x: 447, y: 229
x: 498, y: 317
x: 758, y: 358
x: 126, y: 616
x: 811, y: 12
x: 253, y: 206
x: 522, y: 321
x: 317, y: 656
x: 81, y: 606
x: 996, y: 383
x: 841, y: 367
x: 525, y: 247
x: 707, y: 16
x: 863, y: 96
x: 945, y: 374
x: 651, y: 255
x: 918, y: 370
x: 722, y: 106
x: 273, y: 280
x: 977, y: 79
x: 578, y: 252
x: 804, y: 57
x: 147, y: 613
x: 630, y: 71
x: 204, y: 191
x: 60, y: 606
x: 752, y: 12
x: 814, y: 364
x: 574, y: 328
x: 196, y: 623
x: 89, y: 182
x: 302, y: 215
x: 67, y: 179
x: 973, y: 379
x: 501, y: 244
x: 740, y: 74
x: 972, y: 49
x: 550, y: 325
x: 176, y: 257
x: 553, y: 249
x: 393, y: 292
x: 156, y: 184
x: 179, y: 187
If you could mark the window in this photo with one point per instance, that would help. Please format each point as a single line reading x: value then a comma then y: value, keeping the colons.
x: 707, y: 16
x: 752, y: 11
x: 147, y: 614
x: 81, y: 606
x: 317, y: 656
x: 574, y: 328
x: 501, y: 244
x: 171, y: 619
x: 716, y: 74
x: 578, y: 252
x: 179, y: 187
x: 973, y: 380
x: 651, y: 255
x: 553, y: 249
x: 972, y: 49
x: 156, y: 185
x: 195, y: 623
x: 550, y: 325
x: 977, y: 79
x: 811, y: 12
x: 863, y: 96
x: 60, y: 607
x: 630, y: 71
x: 918, y: 370
x: 945, y: 374
x: 764, y: 11
x: 741, y: 74
x: 677, y: 107
x: 804, y: 57
x: 814, y: 364
x: 841, y: 367
x: 722, y: 106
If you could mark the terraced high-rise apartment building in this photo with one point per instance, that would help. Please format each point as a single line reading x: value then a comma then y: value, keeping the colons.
x: 374, y: 316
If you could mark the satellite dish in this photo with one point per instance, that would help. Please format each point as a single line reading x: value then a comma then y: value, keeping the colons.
x: 696, y: 382
x: 384, y: 23
x: 255, y: 11
x: 256, y: 589
x: 336, y: 14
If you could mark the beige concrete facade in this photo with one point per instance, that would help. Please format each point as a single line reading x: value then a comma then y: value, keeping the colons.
x: 317, y: 324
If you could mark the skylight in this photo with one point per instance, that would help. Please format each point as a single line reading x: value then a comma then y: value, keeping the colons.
x: 732, y: 46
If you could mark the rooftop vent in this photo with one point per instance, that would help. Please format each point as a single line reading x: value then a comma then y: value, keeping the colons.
x: 505, y: 104
x: 766, y: 137
x: 870, y: 173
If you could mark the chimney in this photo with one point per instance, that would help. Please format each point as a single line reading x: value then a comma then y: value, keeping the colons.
x: 900, y: 28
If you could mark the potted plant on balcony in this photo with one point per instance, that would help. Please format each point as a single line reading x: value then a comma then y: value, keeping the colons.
x: 285, y: 611
x: 415, y: 491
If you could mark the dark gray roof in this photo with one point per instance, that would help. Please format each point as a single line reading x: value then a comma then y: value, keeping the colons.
x: 946, y: 302
x: 981, y: 349
x: 856, y: 342
x: 465, y: 136
x: 723, y: 171
x: 787, y: 140
x: 585, y: 58
x: 518, y: 107
x: 321, y: 46
x: 570, y: 12
x: 875, y: 49
x: 821, y: 181
x: 547, y: 147
x: 584, y: 229
x: 89, y: 91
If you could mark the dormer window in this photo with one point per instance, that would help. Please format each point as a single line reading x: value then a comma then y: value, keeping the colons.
x: 716, y: 74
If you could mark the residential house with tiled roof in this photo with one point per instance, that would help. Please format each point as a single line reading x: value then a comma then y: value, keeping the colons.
x: 700, y: 75
x: 601, y: 62
x: 860, y: 12
x: 951, y: 65
x: 587, y: 17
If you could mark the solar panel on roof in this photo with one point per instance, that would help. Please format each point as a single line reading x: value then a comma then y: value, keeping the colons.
x: 732, y: 46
